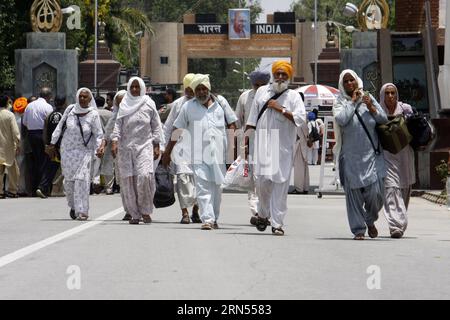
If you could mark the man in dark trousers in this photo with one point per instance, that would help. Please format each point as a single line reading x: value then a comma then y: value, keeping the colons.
x: 50, y: 125
x: 34, y: 119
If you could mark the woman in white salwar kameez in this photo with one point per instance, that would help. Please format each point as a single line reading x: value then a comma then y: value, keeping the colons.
x: 110, y: 167
x: 400, y: 168
x: 82, y: 135
x: 135, y: 141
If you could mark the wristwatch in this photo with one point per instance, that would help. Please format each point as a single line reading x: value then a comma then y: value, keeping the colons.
x: 283, y: 111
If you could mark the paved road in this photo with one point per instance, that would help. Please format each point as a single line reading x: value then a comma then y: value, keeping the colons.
x: 316, y: 259
x: 166, y: 260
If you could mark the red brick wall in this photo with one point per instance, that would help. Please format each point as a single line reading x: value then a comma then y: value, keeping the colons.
x: 410, y: 15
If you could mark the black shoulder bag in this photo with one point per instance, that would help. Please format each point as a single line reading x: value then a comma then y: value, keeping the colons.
x: 376, y: 149
x: 264, y: 108
x: 82, y: 134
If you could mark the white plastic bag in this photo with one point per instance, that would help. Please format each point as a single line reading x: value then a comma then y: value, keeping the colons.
x: 239, y: 177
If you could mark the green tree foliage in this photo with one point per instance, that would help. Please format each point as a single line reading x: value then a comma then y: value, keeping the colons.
x: 173, y: 10
x: 122, y: 23
x: 14, y: 23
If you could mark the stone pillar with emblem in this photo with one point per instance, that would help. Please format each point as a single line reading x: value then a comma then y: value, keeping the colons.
x: 46, y: 62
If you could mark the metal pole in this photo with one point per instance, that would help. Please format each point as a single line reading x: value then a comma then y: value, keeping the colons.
x: 243, y: 74
x: 95, y: 45
x: 315, y: 41
x: 339, y: 34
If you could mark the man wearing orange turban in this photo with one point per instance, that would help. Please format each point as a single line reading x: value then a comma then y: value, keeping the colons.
x: 20, y: 104
x: 283, y: 65
x: 276, y: 114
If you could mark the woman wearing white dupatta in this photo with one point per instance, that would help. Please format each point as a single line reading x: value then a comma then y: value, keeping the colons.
x: 82, y: 134
x: 400, y: 168
x: 135, y: 141
x: 361, y: 168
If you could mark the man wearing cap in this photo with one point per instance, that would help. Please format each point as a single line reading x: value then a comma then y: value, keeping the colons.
x: 185, y: 185
x: 276, y: 113
x: 244, y: 104
x: 205, y: 118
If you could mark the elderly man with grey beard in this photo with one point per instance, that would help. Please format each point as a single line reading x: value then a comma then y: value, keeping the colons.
x: 275, y: 115
x: 205, y: 118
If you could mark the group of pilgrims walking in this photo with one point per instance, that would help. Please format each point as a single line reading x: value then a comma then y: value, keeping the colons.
x: 194, y: 140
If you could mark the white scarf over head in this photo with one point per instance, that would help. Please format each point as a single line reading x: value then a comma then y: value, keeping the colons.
x: 121, y: 93
x: 341, y: 82
x: 338, y: 106
x: 383, y: 95
x: 131, y: 104
x: 79, y: 109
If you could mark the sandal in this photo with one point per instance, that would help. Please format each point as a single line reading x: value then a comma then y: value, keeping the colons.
x: 127, y: 217
x: 195, y: 218
x: 206, y: 226
x: 262, y: 223
x: 372, y: 231
x: 277, y: 231
x: 185, y: 219
x: 359, y: 236
x: 133, y: 221
x: 82, y: 217
x: 146, y: 218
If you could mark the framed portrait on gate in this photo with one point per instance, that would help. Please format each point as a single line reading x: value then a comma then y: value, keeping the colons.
x: 239, y: 24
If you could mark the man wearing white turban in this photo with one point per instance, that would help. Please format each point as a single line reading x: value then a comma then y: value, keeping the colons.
x: 206, y: 118
x: 185, y: 185
x: 135, y: 140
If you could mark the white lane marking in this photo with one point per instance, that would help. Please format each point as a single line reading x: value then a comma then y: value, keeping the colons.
x: 16, y: 255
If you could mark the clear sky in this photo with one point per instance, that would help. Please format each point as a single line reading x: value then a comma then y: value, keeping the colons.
x: 270, y: 6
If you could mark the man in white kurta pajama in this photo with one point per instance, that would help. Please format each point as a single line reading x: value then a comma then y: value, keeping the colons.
x: 185, y: 186
x: 136, y: 138
x: 274, y: 144
x: 77, y: 151
x: 206, y: 118
x: 244, y: 105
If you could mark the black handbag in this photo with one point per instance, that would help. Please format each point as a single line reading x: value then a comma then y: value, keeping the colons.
x: 421, y: 129
x: 165, y: 190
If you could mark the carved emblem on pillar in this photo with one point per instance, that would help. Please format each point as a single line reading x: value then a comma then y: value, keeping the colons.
x: 46, y: 16
x: 373, y: 15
